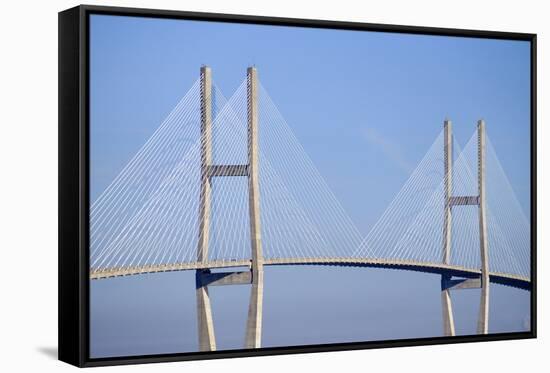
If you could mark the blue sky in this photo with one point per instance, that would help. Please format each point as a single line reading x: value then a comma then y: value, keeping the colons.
x: 356, y: 101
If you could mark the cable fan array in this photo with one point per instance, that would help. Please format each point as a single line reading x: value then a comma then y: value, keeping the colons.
x: 411, y: 229
x: 148, y: 215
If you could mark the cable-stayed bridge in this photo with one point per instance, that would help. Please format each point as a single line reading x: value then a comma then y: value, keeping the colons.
x: 223, y: 187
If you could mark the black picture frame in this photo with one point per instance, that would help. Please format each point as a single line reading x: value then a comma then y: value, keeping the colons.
x: 74, y: 184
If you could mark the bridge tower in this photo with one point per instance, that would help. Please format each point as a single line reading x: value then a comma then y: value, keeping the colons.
x: 205, y: 277
x: 447, y: 283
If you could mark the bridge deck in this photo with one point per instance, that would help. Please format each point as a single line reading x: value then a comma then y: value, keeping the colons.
x: 517, y: 281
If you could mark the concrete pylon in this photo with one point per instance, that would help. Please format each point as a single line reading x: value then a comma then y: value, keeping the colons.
x: 254, y: 322
x: 483, y: 320
x: 447, y: 283
x: 446, y: 302
x: 204, y: 277
x: 207, y: 341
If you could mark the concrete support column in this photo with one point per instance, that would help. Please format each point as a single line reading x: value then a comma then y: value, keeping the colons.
x: 207, y: 340
x: 254, y: 323
x: 448, y: 181
x: 483, y: 321
x: 446, y: 303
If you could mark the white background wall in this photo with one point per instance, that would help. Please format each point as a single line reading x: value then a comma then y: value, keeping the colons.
x: 28, y: 183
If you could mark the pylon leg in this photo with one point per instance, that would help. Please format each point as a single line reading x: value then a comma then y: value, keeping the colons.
x: 448, y: 319
x: 483, y: 320
x: 255, y: 311
x: 207, y: 339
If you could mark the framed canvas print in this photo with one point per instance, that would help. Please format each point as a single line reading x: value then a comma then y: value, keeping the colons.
x: 237, y: 186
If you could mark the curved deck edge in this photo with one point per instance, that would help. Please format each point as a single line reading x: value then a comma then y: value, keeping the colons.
x: 512, y: 280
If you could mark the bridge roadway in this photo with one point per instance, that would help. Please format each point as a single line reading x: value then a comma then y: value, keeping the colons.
x: 516, y: 281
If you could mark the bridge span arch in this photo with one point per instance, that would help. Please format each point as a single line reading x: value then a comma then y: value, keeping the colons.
x: 512, y: 280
